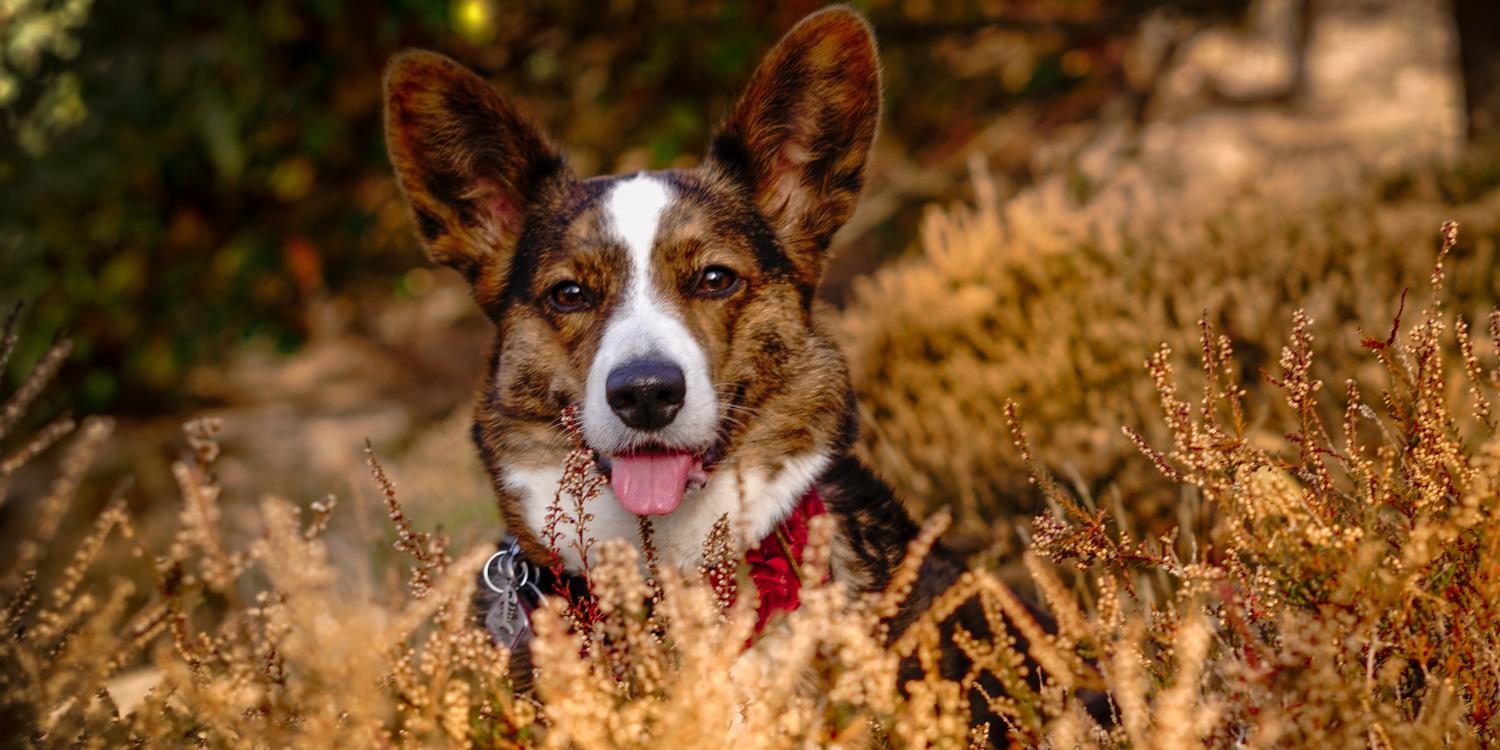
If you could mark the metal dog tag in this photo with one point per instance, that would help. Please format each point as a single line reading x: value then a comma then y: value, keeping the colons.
x: 509, y: 575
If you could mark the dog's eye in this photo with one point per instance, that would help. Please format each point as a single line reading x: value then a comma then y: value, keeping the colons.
x: 569, y: 296
x: 716, y: 281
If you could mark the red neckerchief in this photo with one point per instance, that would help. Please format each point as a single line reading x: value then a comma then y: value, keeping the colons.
x: 776, y: 563
x: 775, y: 568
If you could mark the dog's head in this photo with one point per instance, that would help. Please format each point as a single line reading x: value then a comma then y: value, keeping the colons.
x: 674, y: 309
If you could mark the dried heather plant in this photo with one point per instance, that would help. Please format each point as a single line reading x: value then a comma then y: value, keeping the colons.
x: 581, y: 484
x: 429, y: 550
x: 256, y: 645
x: 1053, y: 304
x: 1346, y: 592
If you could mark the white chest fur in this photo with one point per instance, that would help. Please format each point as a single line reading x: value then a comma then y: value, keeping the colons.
x: 754, y: 499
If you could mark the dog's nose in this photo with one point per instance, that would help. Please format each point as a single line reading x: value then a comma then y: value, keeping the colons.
x: 646, y: 394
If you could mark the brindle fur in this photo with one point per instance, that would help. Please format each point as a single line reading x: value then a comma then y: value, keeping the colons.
x: 492, y: 198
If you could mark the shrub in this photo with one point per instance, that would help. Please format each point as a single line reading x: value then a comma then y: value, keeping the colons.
x: 1053, y: 306
x: 1347, y: 588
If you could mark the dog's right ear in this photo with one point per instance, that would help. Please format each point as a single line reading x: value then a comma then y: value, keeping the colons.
x: 470, y: 165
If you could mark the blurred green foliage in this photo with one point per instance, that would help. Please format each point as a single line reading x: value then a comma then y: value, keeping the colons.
x: 177, y: 178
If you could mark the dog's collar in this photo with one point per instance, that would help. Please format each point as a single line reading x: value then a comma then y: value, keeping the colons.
x: 775, y: 568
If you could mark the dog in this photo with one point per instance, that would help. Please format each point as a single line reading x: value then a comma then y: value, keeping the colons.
x: 674, y: 311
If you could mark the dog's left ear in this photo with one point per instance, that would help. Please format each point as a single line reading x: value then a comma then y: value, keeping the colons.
x: 799, y: 136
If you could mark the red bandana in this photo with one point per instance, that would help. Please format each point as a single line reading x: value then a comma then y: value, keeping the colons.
x: 775, y: 568
x: 775, y: 564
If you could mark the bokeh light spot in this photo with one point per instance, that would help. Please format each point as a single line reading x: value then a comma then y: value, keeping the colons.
x: 474, y: 20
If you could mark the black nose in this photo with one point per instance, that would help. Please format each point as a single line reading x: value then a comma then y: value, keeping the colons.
x: 647, y: 393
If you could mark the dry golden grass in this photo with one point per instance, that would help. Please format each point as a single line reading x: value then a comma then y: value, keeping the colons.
x: 1333, y: 578
x: 1347, y: 590
x: 1056, y: 306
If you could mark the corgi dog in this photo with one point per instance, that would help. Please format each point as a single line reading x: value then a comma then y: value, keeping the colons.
x: 673, y: 312
x: 676, y: 310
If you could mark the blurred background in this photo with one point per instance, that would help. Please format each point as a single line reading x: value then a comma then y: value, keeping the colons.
x: 197, y: 195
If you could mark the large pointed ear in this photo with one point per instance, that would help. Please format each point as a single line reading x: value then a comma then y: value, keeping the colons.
x: 798, y: 138
x: 470, y: 165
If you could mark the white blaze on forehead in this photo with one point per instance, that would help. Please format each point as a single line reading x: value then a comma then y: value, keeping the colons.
x: 644, y: 326
x: 634, y: 209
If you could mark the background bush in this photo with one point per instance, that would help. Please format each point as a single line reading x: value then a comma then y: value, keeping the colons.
x: 1032, y: 304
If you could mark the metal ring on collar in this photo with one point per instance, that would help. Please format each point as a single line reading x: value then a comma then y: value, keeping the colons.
x: 486, y: 571
x: 511, y: 560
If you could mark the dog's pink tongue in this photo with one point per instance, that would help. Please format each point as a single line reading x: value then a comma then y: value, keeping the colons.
x: 650, y: 483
